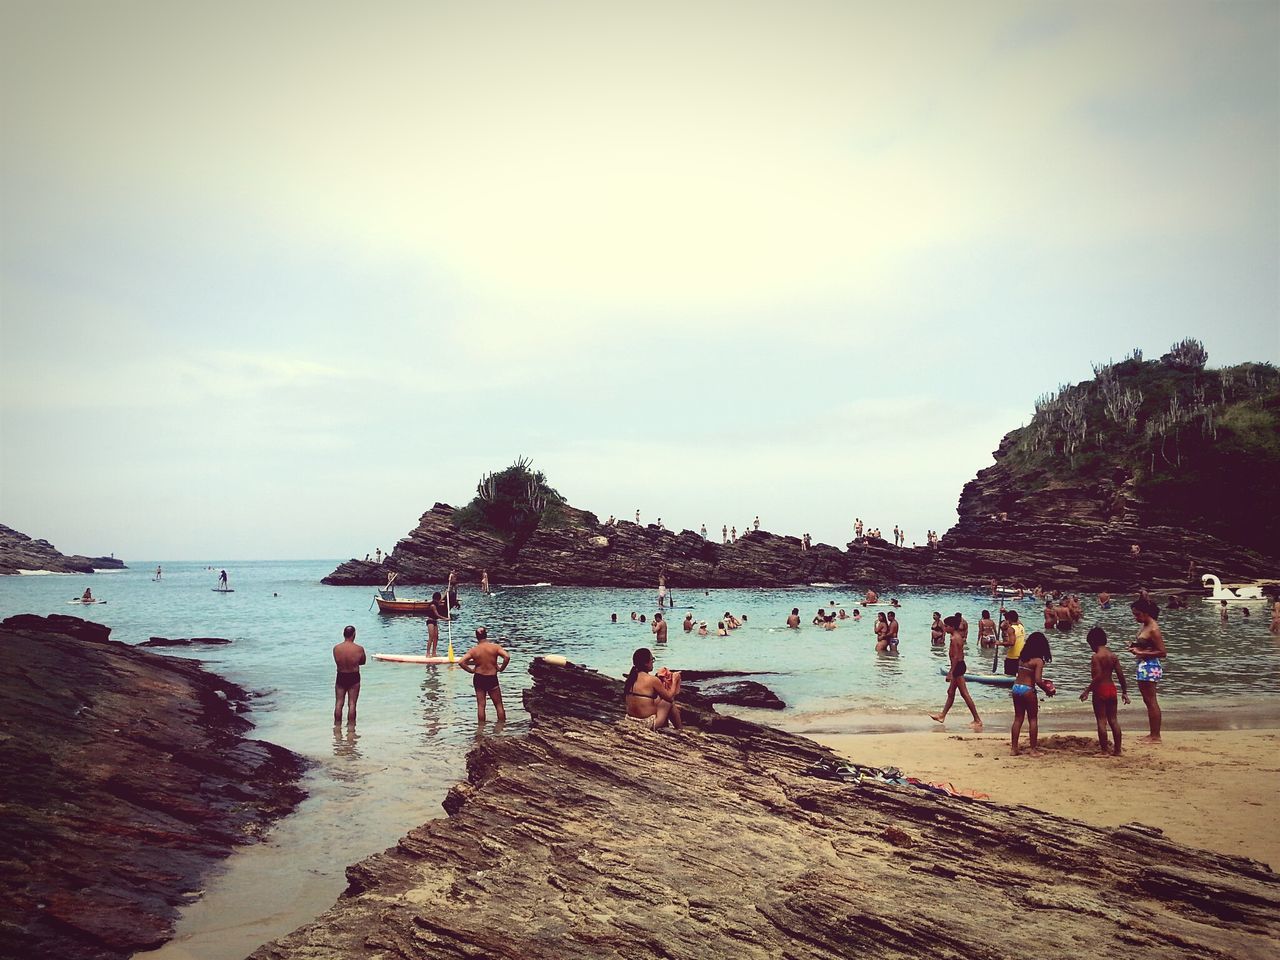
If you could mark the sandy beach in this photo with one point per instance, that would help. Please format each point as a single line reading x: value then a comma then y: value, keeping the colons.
x: 1215, y: 789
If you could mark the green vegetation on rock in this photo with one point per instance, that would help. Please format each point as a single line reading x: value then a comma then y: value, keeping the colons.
x: 512, y: 504
x: 1178, y: 444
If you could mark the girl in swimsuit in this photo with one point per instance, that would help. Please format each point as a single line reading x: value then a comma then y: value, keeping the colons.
x: 881, y: 628
x: 651, y: 699
x: 936, y: 629
x: 1035, y: 654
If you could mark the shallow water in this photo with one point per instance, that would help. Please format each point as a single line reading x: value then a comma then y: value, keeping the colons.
x: 416, y: 723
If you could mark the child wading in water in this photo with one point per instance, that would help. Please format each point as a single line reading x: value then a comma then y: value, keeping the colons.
x: 1101, y: 666
x: 1035, y: 654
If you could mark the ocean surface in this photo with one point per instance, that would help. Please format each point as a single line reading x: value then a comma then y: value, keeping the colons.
x: 367, y: 788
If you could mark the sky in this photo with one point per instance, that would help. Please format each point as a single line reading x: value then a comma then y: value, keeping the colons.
x: 275, y: 278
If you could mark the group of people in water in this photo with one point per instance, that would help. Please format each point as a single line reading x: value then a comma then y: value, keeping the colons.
x: 651, y: 697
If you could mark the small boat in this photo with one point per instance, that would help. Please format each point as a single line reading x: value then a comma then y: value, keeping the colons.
x: 393, y: 605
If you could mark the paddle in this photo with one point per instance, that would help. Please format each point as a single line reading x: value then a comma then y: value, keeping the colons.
x: 995, y: 657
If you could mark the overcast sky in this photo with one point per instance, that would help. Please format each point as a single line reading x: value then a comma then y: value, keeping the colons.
x: 277, y: 277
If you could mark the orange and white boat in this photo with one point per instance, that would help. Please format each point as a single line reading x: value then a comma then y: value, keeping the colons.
x: 393, y: 605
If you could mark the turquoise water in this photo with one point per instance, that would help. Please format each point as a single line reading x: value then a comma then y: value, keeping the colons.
x: 416, y: 723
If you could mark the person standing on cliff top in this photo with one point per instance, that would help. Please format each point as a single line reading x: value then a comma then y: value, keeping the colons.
x: 704, y: 531
x: 637, y: 516
x: 659, y: 628
x: 733, y: 534
x: 348, y: 655
x: 757, y: 522
x: 484, y: 662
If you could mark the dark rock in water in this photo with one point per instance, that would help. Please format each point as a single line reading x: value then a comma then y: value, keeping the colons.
x: 739, y: 693
x: 20, y: 552
x: 592, y: 837
x: 184, y: 642
x: 693, y: 676
x: 124, y: 777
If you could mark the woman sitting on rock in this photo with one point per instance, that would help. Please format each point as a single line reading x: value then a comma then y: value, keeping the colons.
x: 651, y: 700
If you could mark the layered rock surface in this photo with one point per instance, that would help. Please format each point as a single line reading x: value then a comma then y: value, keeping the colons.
x: 19, y: 552
x: 1070, y: 554
x: 592, y: 837
x: 124, y: 776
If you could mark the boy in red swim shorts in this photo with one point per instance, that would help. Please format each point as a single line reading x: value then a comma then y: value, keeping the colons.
x: 1102, y: 665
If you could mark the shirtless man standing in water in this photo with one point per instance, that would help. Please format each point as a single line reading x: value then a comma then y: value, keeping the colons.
x: 348, y: 655
x: 484, y: 662
x: 659, y: 628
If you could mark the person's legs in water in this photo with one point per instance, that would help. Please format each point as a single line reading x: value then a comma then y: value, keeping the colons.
x: 496, y: 696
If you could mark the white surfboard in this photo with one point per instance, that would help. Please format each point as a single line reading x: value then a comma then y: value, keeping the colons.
x: 410, y: 658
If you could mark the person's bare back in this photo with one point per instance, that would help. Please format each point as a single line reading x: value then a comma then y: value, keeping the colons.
x: 348, y: 656
x: 484, y: 662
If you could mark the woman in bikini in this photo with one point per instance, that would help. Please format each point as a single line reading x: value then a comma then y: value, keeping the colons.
x: 1035, y: 654
x: 936, y: 630
x: 651, y: 701
x: 881, y: 628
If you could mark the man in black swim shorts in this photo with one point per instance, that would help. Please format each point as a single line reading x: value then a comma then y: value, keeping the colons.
x: 348, y: 655
x: 484, y: 662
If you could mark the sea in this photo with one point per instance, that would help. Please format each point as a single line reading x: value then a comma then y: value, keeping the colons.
x: 369, y: 785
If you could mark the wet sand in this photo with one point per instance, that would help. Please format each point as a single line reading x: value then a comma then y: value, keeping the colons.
x: 1216, y: 789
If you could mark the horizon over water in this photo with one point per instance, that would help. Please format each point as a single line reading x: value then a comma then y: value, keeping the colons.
x: 367, y: 788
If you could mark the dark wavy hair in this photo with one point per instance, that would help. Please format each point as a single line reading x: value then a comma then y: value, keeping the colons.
x: 639, y: 660
x: 1037, y: 645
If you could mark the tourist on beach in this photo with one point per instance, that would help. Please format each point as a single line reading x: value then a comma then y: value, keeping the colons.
x: 377, y: 555
x: 659, y: 628
x: 613, y: 618
x: 857, y: 614
x: 793, y: 621
x: 821, y: 617
x: 633, y: 615
x: 702, y: 628
x: 721, y: 630
x: 1275, y: 617
x: 453, y: 590
x: 1102, y: 665
x: 159, y: 572
x: 688, y: 623
x: 964, y: 626
x: 1222, y: 610
x: 733, y: 534
x: 724, y: 534
x: 842, y: 615
x: 651, y: 699
x: 484, y: 662
x: 1149, y: 649
x: 662, y: 587
x: 936, y: 629
x: 1104, y: 600
x: 731, y: 621
x: 348, y: 656
x: 642, y: 618
x: 435, y: 611
x: 637, y: 516
x: 1177, y: 602
x: 1026, y: 704
x: 871, y: 597
x: 87, y: 596
x: 484, y: 581
x: 891, y: 635
x: 1050, y: 618
x: 1015, y: 635
x: 955, y: 676
x: 986, y: 631
x: 704, y: 531
x: 756, y: 524
x: 881, y: 628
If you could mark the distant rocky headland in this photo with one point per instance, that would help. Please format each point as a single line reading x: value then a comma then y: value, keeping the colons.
x: 124, y: 776
x: 1152, y: 473
x: 591, y: 837
x: 19, y: 552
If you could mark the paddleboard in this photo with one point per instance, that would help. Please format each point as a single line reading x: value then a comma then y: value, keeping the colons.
x: 228, y: 590
x: 87, y: 603
x: 991, y: 679
x: 410, y: 658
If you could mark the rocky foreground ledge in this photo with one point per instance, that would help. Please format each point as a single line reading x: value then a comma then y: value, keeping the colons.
x: 124, y: 777
x: 591, y: 837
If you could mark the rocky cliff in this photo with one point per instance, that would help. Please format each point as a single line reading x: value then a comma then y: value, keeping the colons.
x: 580, y: 551
x: 124, y: 776
x: 591, y: 837
x: 1179, y: 462
x: 20, y: 552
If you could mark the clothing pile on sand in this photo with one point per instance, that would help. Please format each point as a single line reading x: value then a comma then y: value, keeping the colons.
x: 846, y: 771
